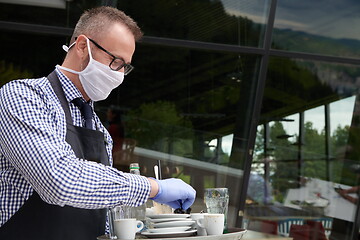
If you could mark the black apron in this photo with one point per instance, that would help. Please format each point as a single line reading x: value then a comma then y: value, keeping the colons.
x: 38, y: 220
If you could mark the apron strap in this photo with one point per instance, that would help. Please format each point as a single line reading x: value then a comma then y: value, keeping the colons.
x: 56, y: 85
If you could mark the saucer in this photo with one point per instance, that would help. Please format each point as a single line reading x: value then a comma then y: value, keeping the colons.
x: 173, y: 224
x: 168, y: 235
x: 168, y: 230
x: 158, y: 220
x: 172, y: 215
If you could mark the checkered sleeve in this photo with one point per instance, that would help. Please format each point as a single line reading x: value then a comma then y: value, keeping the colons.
x: 32, y: 136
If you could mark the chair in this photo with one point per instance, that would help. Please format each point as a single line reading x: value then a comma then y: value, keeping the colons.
x: 124, y: 156
x: 284, y: 225
x: 268, y: 226
x: 327, y: 224
x: 317, y: 230
x: 299, y: 232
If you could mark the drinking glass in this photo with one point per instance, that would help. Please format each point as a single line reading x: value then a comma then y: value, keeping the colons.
x: 115, y: 213
x: 217, y: 201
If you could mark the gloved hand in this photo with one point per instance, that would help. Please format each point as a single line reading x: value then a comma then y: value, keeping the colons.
x: 175, y: 192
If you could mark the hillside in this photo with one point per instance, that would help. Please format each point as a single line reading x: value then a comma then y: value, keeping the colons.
x: 298, y: 41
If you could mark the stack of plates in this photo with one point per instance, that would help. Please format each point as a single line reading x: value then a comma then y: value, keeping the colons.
x: 169, y: 225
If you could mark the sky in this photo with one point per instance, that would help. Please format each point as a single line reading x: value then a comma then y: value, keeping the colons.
x: 340, y: 115
x: 330, y: 18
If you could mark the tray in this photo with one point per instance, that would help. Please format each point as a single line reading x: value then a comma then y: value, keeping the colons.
x: 234, y: 234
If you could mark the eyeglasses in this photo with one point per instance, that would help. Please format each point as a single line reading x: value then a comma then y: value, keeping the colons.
x: 117, y: 63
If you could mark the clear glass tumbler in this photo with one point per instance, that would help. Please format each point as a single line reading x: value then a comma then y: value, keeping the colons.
x: 118, y: 212
x: 217, y: 201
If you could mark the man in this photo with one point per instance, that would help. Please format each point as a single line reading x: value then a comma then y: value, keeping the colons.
x: 55, y: 174
x: 346, y: 193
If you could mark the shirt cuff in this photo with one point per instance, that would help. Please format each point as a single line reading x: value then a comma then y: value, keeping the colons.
x: 139, y: 189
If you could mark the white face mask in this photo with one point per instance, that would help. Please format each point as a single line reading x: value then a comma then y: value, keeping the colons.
x: 97, y: 79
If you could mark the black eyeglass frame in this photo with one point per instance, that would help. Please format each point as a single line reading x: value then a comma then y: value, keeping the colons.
x: 127, y: 67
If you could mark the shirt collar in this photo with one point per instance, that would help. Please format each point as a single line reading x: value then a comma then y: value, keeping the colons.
x: 70, y: 90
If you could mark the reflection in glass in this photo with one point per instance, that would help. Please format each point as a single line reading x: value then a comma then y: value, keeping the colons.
x: 309, y: 164
x: 238, y: 22
x: 341, y: 113
x: 51, y: 13
x: 191, y: 109
x: 50, y: 4
x: 313, y: 151
x: 32, y: 61
x: 315, y: 27
x: 184, y: 112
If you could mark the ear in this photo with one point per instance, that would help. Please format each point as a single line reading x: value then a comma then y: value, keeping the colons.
x: 81, y: 46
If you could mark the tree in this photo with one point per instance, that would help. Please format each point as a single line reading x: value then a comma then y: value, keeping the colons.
x: 283, y: 154
x: 158, y: 125
x: 314, y: 152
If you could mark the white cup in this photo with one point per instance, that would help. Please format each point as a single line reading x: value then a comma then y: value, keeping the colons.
x: 127, y: 228
x: 201, y: 231
x: 213, y: 223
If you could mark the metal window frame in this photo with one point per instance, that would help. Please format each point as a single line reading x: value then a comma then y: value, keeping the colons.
x: 265, y: 52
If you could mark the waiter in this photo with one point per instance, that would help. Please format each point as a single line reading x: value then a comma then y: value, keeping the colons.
x: 56, y: 178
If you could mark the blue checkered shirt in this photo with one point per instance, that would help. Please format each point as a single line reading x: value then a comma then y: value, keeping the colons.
x: 34, y: 155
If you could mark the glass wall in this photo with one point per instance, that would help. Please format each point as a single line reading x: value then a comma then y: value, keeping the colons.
x: 179, y: 109
x: 317, y: 27
x: 180, y: 103
x: 305, y: 148
x: 208, y: 98
x: 238, y: 22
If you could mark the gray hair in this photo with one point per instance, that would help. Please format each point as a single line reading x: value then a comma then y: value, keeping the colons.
x: 96, y: 21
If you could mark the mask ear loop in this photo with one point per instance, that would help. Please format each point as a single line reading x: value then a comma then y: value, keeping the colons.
x: 89, y: 49
x: 67, y: 48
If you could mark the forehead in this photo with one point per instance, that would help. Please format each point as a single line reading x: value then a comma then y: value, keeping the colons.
x: 119, y: 40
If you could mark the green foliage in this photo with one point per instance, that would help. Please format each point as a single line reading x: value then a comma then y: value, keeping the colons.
x: 10, y: 72
x: 305, y: 42
x: 155, y: 125
x: 160, y: 111
x: 209, y: 182
x: 314, y: 152
x: 284, y: 168
x: 182, y: 176
x: 339, y: 138
x: 184, y: 19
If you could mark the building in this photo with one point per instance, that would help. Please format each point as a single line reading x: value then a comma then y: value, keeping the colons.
x: 223, y: 92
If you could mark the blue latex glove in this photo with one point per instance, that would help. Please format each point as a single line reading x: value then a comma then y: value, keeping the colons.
x: 175, y: 192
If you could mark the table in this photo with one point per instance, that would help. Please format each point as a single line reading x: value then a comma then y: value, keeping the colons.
x: 234, y: 234
x: 338, y: 207
x: 248, y: 235
x: 253, y: 235
x: 279, y: 218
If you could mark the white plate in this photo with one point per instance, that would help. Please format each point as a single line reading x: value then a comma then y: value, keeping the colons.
x: 167, y: 235
x: 235, y: 234
x: 171, y: 215
x: 173, y: 224
x: 158, y: 220
x: 168, y: 230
